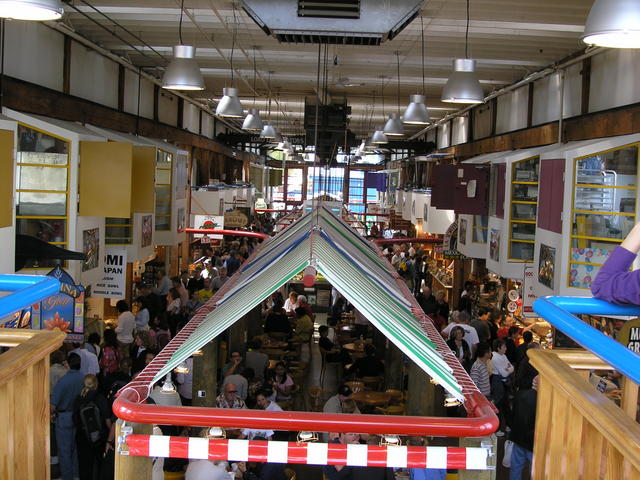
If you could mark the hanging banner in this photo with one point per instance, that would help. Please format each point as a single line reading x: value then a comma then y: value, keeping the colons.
x: 113, y: 283
x: 237, y: 218
x: 528, y: 291
x: 450, y: 243
x: 215, y: 222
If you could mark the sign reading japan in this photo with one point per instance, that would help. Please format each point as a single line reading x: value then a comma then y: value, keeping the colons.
x: 113, y: 280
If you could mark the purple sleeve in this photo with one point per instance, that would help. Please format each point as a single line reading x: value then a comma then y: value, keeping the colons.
x: 614, y: 282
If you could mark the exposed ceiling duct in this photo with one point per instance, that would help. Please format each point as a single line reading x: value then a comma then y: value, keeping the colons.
x: 336, y: 22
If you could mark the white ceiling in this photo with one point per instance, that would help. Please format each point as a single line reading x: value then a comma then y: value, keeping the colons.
x: 508, y: 38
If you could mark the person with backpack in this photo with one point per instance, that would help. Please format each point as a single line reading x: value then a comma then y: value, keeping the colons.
x: 93, y: 421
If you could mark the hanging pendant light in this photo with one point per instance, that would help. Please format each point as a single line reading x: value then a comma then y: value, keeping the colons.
x: 417, y: 113
x: 463, y: 85
x: 229, y: 105
x: 379, y: 137
x: 36, y: 10
x: 394, y: 126
x: 253, y: 121
x: 614, y: 24
x: 183, y: 72
x: 268, y: 131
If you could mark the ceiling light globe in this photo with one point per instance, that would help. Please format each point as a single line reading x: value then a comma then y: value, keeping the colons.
x: 416, y: 113
x: 252, y: 121
x: 183, y: 72
x: 463, y: 85
x: 379, y: 138
x: 35, y: 10
x: 613, y: 24
x: 268, y: 131
x: 393, y: 127
x: 229, y: 105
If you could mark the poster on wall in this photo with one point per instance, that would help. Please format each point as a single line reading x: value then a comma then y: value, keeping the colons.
x: 450, y: 243
x: 462, y: 232
x: 147, y: 230
x: 546, y: 265
x: 582, y: 274
x: 181, y: 220
x: 494, y: 245
x: 90, y: 248
x: 113, y: 282
x: 209, y: 222
x: 64, y: 311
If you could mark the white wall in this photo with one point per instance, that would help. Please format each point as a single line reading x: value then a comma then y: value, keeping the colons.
x: 460, y: 130
x: 482, y: 121
x: 466, y: 246
x: 443, y: 135
x: 93, y: 76
x: 131, y: 95
x: 512, y: 110
x: 35, y: 53
x: 614, y: 79
x: 431, y: 135
x: 168, y: 108
x: 191, y: 118
x: 207, y: 125
x: 8, y: 242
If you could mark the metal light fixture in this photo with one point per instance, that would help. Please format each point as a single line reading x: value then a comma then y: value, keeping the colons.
x: 253, y: 121
x: 451, y: 401
x: 268, y: 131
x: 463, y: 85
x: 36, y: 10
x: 183, y: 72
x: 198, y: 353
x: 390, y: 441
x: 614, y: 24
x: 379, y: 137
x: 417, y: 113
x: 393, y: 127
x: 216, y: 432
x: 304, y: 437
x: 229, y: 105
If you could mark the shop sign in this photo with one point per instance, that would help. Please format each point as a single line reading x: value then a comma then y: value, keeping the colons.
x: 113, y: 282
x: 237, y: 218
x: 210, y: 222
x: 63, y: 311
x: 528, y: 291
x: 629, y: 335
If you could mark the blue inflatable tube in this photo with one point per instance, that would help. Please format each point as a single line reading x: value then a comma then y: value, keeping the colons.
x: 558, y: 311
x: 26, y: 290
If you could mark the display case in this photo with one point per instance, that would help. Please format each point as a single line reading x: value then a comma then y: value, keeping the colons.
x: 523, y: 208
x: 583, y: 218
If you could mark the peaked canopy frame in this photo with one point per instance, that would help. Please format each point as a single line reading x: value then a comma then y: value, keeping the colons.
x: 359, y: 271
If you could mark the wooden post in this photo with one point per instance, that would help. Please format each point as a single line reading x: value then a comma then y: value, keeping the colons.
x: 424, y: 399
x: 491, y: 461
x: 205, y: 375
x: 128, y: 467
x: 393, y: 377
x: 629, y: 401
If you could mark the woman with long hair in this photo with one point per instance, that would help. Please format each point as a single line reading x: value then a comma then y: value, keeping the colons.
x: 282, y: 383
x: 93, y: 421
x: 110, y: 354
x: 142, y: 316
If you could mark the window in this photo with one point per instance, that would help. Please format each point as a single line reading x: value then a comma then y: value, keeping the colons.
x: 42, y: 188
x: 480, y: 227
x: 118, y: 231
x: 164, y: 163
x: 604, y: 209
x: 294, y: 185
x: 322, y: 181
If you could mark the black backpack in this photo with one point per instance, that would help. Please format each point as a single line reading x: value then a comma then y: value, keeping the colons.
x: 90, y: 422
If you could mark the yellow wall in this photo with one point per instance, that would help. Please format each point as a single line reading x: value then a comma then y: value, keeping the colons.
x: 105, y: 179
x: 6, y: 178
x: 143, y: 188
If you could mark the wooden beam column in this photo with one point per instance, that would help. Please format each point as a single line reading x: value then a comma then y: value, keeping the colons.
x: 205, y: 375
x: 127, y: 467
x: 586, y: 85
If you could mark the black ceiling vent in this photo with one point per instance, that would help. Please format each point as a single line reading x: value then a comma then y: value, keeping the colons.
x: 329, y: 8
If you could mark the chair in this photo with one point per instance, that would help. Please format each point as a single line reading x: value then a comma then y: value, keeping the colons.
x: 396, y: 396
x: 392, y: 409
x: 355, y: 386
x: 317, y: 397
x: 323, y: 368
x: 372, y: 383
x: 279, y: 336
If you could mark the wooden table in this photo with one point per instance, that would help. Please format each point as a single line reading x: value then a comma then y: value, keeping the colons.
x: 354, y: 347
x: 374, y: 399
x: 274, y: 344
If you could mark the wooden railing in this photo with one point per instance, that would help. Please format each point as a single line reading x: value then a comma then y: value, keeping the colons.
x: 24, y: 402
x: 580, y: 434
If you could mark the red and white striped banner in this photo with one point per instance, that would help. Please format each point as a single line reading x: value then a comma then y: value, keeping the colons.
x: 307, y: 453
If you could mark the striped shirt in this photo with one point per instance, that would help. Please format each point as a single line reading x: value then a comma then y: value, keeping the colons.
x: 480, y: 376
